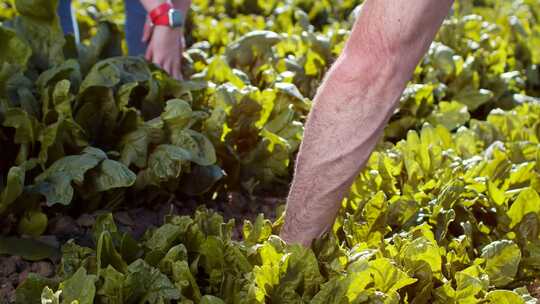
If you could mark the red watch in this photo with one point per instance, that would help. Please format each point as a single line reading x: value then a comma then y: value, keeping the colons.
x: 165, y: 14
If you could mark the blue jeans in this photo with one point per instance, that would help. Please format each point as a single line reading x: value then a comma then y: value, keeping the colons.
x: 135, y: 19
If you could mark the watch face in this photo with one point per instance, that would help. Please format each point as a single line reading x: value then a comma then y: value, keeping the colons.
x: 176, y: 18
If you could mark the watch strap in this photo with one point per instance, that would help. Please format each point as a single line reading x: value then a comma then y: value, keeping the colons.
x: 161, y: 11
x: 161, y: 20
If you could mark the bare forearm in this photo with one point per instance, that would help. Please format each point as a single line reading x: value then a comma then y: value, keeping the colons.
x: 353, y: 105
x: 396, y: 32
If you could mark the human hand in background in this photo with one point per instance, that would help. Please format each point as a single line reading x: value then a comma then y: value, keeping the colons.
x: 165, y: 47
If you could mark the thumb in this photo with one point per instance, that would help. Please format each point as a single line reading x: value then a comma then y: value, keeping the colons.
x: 147, y: 32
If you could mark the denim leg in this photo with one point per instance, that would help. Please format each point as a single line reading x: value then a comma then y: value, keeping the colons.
x: 135, y: 19
x: 67, y: 19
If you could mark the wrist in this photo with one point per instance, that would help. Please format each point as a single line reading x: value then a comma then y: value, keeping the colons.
x: 174, y: 30
x: 166, y: 15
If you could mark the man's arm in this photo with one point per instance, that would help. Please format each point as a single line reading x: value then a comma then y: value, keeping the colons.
x: 352, y: 106
x: 165, y: 44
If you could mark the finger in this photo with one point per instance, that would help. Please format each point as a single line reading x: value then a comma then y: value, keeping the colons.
x: 149, y: 53
x: 174, y: 67
x: 160, y: 63
x: 170, y: 68
x: 177, y: 70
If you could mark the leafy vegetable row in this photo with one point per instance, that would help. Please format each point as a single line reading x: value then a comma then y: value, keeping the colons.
x: 485, y: 56
x: 436, y: 218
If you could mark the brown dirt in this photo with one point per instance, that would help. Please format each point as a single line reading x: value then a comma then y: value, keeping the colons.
x: 13, y: 271
x: 534, y: 289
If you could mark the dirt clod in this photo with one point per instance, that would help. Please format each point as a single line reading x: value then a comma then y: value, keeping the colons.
x: 7, y: 266
x: 63, y: 226
x: 43, y: 268
x: 86, y: 220
x: 534, y: 289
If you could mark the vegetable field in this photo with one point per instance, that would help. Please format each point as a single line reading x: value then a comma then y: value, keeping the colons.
x: 119, y: 184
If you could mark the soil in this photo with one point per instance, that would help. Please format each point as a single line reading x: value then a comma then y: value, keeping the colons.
x: 534, y: 289
x: 61, y: 228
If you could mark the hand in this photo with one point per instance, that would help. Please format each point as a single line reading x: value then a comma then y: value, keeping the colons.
x: 165, y: 47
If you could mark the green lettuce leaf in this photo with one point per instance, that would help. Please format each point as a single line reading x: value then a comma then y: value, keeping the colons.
x: 80, y: 287
x: 502, y: 261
